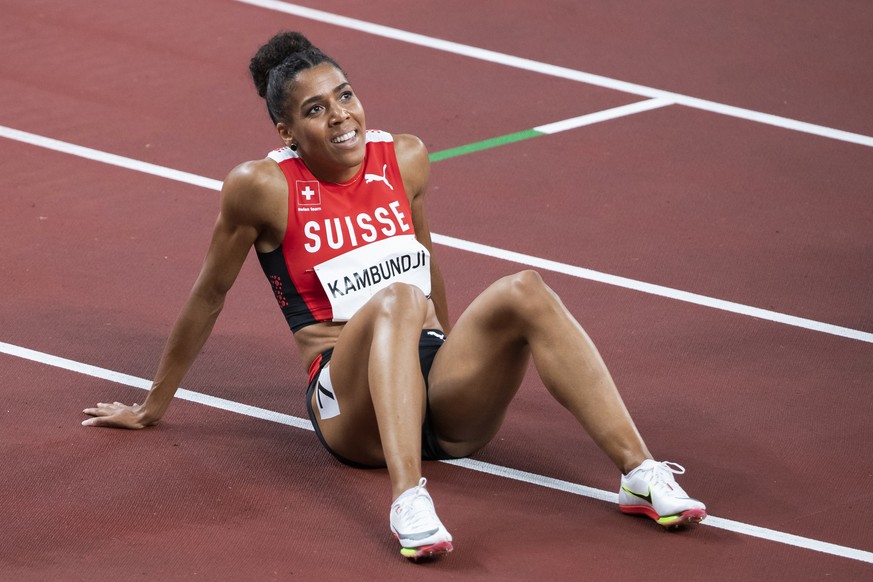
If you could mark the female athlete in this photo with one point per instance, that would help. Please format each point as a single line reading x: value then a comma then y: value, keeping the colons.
x: 337, y: 219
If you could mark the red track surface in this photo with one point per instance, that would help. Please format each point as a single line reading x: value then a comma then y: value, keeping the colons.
x: 772, y: 421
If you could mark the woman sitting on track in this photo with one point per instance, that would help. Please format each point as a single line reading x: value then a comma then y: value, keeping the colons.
x: 337, y: 219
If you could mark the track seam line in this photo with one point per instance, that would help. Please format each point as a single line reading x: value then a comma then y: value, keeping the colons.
x: 557, y: 71
x: 469, y: 246
x: 469, y: 464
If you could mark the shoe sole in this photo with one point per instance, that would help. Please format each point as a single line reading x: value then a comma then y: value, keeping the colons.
x: 426, y: 552
x: 688, y: 517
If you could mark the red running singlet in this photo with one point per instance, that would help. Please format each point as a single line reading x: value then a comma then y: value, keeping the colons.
x: 344, y: 242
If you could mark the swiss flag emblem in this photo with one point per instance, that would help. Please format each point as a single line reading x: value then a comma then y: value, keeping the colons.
x: 308, y: 193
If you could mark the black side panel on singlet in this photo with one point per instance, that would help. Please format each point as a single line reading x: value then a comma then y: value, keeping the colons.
x: 293, y: 307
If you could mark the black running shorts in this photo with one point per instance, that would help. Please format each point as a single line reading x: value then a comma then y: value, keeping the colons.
x: 428, y: 344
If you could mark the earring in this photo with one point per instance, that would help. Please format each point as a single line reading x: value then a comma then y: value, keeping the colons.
x: 293, y: 146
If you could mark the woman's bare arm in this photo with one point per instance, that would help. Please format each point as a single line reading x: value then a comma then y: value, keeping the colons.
x: 236, y: 230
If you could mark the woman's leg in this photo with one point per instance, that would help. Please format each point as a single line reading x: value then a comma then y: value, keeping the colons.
x: 477, y: 372
x: 377, y: 381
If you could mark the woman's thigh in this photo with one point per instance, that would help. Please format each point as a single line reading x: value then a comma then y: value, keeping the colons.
x: 477, y: 372
x: 354, y: 432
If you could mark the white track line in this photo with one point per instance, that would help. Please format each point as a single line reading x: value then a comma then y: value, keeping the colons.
x: 107, y: 158
x: 600, y: 116
x: 470, y: 464
x: 477, y: 248
x: 658, y: 99
x: 659, y: 290
x: 144, y: 384
x: 555, y: 71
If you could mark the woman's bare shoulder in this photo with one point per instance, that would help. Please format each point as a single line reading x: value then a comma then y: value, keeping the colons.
x: 409, y: 147
x: 253, y: 190
x: 254, y: 177
x: 412, y: 158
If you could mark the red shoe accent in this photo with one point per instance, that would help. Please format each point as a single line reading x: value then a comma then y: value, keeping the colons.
x: 688, y: 517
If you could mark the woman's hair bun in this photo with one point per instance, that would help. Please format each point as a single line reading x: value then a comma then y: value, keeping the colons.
x: 273, y: 54
x: 277, y: 63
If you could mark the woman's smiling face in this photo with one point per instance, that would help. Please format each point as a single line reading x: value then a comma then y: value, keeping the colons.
x: 326, y: 122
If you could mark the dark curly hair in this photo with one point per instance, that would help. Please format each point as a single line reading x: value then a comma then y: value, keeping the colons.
x: 275, y: 65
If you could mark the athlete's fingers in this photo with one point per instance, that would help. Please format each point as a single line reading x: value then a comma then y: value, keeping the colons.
x: 106, y: 409
x: 112, y: 421
x: 102, y: 409
x: 107, y: 421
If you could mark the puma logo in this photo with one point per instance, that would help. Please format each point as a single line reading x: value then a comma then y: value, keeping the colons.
x: 377, y: 178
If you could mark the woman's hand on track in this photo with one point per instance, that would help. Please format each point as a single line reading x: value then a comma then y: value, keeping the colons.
x: 115, y: 415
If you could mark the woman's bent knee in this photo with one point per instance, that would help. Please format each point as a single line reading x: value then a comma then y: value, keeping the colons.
x: 527, y: 289
x: 526, y: 281
x: 524, y: 299
x: 400, y: 299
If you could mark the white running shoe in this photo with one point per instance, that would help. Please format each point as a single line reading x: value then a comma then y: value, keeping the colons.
x: 416, y: 526
x: 651, y: 490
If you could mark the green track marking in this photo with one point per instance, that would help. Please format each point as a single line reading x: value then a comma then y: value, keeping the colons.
x: 485, y: 144
x: 553, y: 128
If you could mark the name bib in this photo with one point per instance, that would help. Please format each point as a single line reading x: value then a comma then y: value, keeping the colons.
x: 351, y: 279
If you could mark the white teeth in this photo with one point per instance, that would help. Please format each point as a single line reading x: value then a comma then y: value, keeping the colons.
x: 344, y: 137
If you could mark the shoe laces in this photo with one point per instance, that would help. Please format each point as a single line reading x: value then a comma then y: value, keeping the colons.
x: 416, y: 508
x: 661, y: 475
